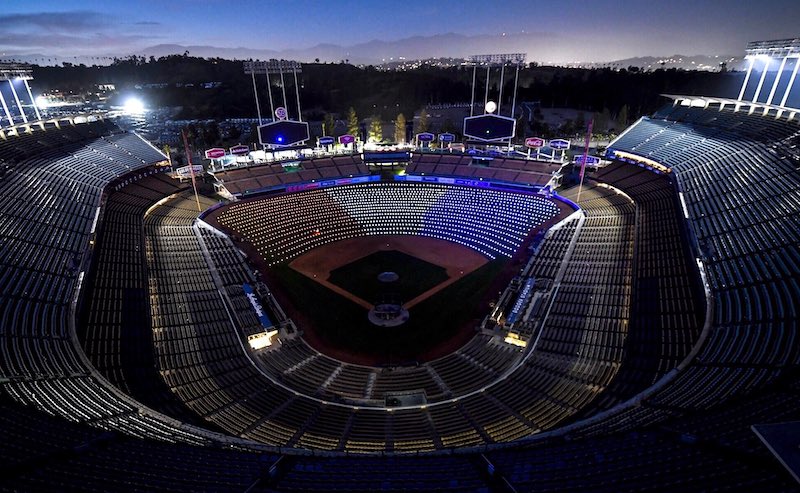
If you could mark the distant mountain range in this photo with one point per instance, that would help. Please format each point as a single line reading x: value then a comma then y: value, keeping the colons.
x: 544, y: 48
x: 376, y: 51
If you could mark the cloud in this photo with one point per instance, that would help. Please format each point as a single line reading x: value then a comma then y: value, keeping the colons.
x: 67, y: 42
x: 53, y: 21
x: 71, y: 32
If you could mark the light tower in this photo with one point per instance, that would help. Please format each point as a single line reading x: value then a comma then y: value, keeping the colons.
x: 496, y: 60
x: 490, y: 127
x: 787, y: 50
x: 11, y: 73
x: 284, y: 131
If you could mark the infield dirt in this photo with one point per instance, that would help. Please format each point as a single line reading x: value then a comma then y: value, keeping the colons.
x: 456, y: 259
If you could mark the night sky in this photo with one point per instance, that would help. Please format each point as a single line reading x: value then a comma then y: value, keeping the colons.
x: 608, y: 29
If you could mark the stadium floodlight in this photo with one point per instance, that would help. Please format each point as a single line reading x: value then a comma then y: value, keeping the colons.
x: 271, y: 66
x: 18, y: 73
x: 774, y: 48
x: 133, y: 106
x: 277, y: 67
x: 14, y: 71
x: 764, y: 52
x: 498, y: 59
x: 489, y: 127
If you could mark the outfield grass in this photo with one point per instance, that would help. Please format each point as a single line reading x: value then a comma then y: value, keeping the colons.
x: 343, y: 324
x: 361, y: 276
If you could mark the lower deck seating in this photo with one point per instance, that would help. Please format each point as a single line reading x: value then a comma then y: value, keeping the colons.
x: 257, y: 179
x: 580, y: 324
x: 518, y: 171
x: 491, y: 222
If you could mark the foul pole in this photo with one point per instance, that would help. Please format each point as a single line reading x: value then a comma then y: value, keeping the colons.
x: 191, y: 169
x: 255, y: 93
x: 585, y: 156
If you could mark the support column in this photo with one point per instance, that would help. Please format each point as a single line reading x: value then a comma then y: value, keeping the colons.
x: 255, y: 93
x: 791, y: 82
x: 283, y: 91
x: 269, y: 92
x: 486, y: 94
x: 747, y: 78
x: 500, y: 96
x: 5, y: 108
x: 777, y: 79
x: 33, y: 101
x: 514, y: 100
x: 297, y: 94
x: 16, y: 98
x: 761, y: 80
x: 472, y: 103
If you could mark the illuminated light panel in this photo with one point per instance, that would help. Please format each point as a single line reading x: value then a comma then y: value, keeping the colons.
x: 262, y: 339
x: 774, y: 47
x: 514, y: 339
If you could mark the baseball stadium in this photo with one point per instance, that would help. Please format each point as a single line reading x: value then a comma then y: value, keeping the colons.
x: 460, y: 320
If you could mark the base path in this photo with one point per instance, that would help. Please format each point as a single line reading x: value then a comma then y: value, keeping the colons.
x: 457, y: 260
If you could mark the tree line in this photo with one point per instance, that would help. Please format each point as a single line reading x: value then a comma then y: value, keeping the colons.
x: 344, y: 93
x: 334, y: 88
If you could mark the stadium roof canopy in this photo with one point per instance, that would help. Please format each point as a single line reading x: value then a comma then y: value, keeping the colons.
x: 775, y: 48
x: 11, y: 71
x: 735, y: 104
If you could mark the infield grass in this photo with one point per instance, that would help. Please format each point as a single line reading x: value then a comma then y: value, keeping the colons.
x: 343, y: 324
